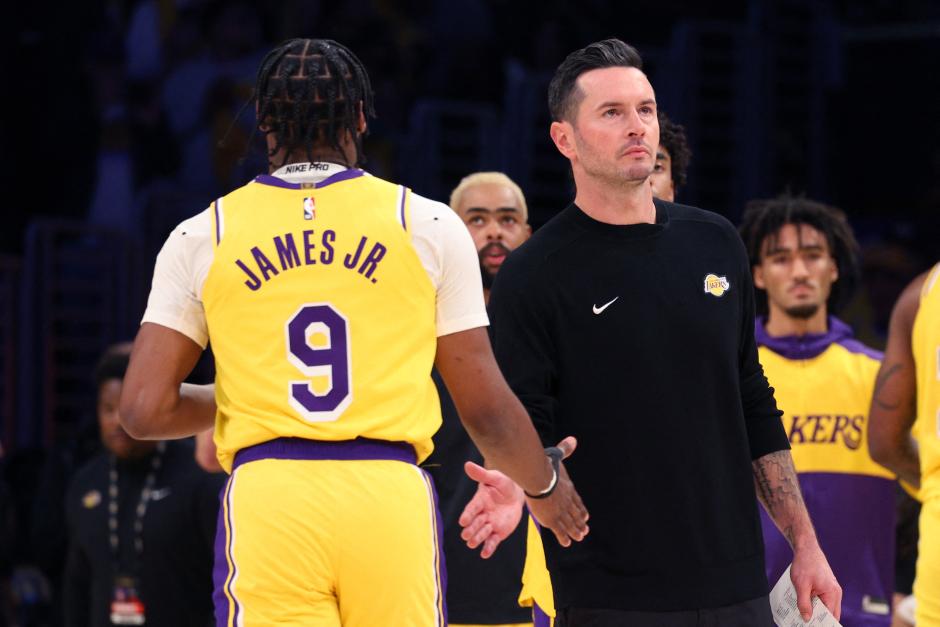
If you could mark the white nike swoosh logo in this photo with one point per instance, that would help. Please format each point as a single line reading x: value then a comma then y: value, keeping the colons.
x: 600, y: 309
x: 157, y: 495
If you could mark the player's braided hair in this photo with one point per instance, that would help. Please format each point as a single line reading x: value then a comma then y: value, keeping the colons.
x: 672, y: 138
x: 308, y: 93
x: 763, y: 220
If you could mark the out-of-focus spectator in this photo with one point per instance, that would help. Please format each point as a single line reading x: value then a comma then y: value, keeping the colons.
x: 141, y: 523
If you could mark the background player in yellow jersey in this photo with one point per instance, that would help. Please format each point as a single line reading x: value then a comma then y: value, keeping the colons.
x: 904, y: 427
x: 805, y: 265
x: 327, y: 295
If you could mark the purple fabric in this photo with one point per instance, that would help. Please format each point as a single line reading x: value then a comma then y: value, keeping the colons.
x: 220, y: 570
x: 401, y: 210
x: 442, y: 565
x: 344, y: 450
x: 218, y: 230
x: 854, y: 519
x: 812, y: 344
x: 267, y: 179
x: 540, y: 618
x: 345, y: 175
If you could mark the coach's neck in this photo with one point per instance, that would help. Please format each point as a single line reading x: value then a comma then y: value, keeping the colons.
x: 614, y: 201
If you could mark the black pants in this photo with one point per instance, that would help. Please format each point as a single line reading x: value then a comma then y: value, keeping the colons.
x: 753, y: 613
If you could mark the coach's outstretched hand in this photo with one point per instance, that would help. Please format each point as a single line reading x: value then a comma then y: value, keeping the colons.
x: 562, y: 512
x: 495, y: 510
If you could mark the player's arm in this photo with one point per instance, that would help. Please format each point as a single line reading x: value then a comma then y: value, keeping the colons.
x: 893, y: 403
x: 501, y: 429
x: 779, y: 492
x: 155, y: 403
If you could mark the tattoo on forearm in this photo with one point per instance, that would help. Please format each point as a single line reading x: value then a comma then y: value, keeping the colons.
x: 883, y: 378
x: 779, y: 490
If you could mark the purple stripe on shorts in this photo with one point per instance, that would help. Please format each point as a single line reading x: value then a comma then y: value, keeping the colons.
x: 401, y: 210
x: 345, y: 175
x: 218, y: 230
x: 231, y: 554
x: 439, y: 541
x: 540, y: 618
x: 220, y: 568
x: 344, y: 450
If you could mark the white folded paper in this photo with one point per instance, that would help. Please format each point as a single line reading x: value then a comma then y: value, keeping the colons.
x: 786, y: 614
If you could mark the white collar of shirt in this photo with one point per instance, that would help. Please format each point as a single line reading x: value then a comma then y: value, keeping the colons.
x: 308, y: 172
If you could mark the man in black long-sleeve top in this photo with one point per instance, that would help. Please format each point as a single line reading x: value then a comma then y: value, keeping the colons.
x: 154, y: 565
x: 629, y: 323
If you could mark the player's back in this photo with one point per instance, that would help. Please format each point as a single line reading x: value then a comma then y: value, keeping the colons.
x: 320, y: 315
x: 925, y: 341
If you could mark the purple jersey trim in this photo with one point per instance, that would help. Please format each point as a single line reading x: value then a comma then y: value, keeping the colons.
x: 273, y: 181
x: 344, y: 450
x: 854, y: 346
x: 812, y: 344
x: 218, y: 230
x: 345, y: 175
x: 401, y: 210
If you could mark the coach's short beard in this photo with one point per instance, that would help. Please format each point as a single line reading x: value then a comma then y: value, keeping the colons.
x: 803, y: 312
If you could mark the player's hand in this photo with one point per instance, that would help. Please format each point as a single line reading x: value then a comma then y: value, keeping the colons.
x: 812, y: 577
x: 562, y: 512
x: 494, y: 511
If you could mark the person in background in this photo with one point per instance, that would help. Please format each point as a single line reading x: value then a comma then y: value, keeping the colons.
x: 804, y: 259
x: 141, y: 520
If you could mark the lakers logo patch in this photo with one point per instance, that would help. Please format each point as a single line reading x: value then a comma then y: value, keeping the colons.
x: 310, y: 210
x: 716, y: 285
x: 91, y: 499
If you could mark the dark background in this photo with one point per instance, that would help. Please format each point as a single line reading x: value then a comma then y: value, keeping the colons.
x: 114, y: 112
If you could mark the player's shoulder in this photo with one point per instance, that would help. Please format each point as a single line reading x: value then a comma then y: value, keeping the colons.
x: 425, y: 211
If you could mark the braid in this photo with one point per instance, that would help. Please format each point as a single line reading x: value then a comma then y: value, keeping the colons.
x: 308, y: 92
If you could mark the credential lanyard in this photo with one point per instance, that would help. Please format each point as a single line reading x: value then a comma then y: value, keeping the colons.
x: 155, y: 463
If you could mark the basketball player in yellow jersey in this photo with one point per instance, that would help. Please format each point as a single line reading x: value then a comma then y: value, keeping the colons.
x: 328, y: 294
x: 904, y: 423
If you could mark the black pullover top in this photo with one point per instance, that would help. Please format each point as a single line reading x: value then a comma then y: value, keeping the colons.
x: 639, y: 341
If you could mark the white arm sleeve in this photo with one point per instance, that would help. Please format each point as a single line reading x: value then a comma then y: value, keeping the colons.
x: 176, y: 293
x: 448, y: 255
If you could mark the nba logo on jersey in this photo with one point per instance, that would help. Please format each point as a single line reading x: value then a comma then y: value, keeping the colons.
x: 310, y: 211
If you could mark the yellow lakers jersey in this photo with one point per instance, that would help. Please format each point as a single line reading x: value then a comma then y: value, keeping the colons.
x: 320, y: 315
x: 824, y: 384
x: 925, y: 342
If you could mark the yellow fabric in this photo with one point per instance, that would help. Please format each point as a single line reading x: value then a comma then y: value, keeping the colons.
x: 927, y: 581
x: 322, y: 266
x: 536, y: 580
x: 307, y: 549
x: 925, y: 342
x: 826, y: 423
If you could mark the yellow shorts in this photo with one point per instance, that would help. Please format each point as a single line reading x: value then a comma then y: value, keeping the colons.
x: 927, y: 581
x: 328, y: 534
x: 537, y: 591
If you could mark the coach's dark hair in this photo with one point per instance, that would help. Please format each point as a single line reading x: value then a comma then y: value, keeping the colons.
x: 763, y: 220
x: 113, y: 364
x: 309, y: 92
x: 672, y: 138
x: 563, y: 92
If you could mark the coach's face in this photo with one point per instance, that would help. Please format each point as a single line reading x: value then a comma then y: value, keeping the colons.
x: 614, y: 132
x: 494, y: 217
x: 797, y: 270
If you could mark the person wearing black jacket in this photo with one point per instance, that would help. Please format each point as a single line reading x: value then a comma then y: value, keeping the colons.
x: 628, y: 322
x: 141, y: 525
